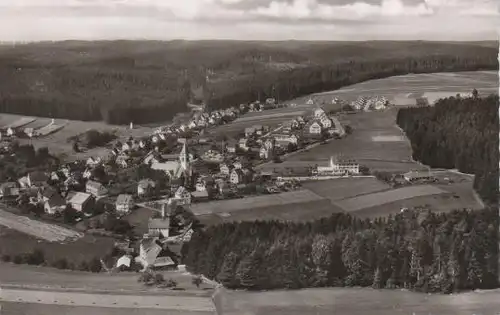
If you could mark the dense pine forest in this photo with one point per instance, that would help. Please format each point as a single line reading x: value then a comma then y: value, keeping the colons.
x: 418, y: 250
x: 123, y: 81
x: 459, y: 133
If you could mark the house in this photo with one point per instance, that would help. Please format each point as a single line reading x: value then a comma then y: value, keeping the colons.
x: 310, y: 102
x: 55, y: 204
x: 37, y: 179
x: 160, y: 226
x: 319, y: 112
x: 224, y: 169
x: 93, y: 162
x: 46, y: 194
x: 269, y: 143
x: 284, y: 139
x: 204, y: 183
x: 9, y: 189
x: 326, y: 122
x: 124, y: 203
x: 212, y: 156
x: 96, y: 189
x: 149, y: 250
x: 265, y: 153
x: 249, y: 131
x: 121, y: 160
x: 87, y: 174
x: 314, y: 128
x: 231, y: 146
x: 144, y: 185
x: 124, y: 261
x: 80, y: 201
x: 182, y: 196
x: 125, y: 147
x: 237, y: 176
x: 243, y: 144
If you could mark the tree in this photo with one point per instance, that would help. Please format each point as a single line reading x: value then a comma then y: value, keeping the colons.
x: 226, y: 275
x: 475, y: 94
x: 76, y: 148
x: 95, y: 265
x: 69, y: 214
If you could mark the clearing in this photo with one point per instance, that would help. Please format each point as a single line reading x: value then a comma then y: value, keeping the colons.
x: 381, y: 198
x: 57, y: 141
x: 13, y: 243
x: 405, y: 89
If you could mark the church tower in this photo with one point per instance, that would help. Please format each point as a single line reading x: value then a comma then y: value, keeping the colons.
x: 184, y: 157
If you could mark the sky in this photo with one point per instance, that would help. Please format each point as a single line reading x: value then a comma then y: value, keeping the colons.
x: 39, y: 20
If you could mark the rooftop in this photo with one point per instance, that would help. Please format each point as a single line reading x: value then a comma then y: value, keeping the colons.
x: 79, y: 198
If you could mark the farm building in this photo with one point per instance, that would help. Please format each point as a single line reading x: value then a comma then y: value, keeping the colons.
x: 9, y: 189
x: 413, y: 176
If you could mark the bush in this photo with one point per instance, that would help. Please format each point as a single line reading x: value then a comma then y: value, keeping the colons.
x: 95, y: 265
x: 36, y: 258
x: 18, y: 259
x: 61, y: 263
x: 6, y: 258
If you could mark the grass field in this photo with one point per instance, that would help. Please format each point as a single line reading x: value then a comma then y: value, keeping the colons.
x: 380, y: 198
x: 236, y: 205
x: 57, y: 141
x: 396, y: 89
x: 13, y: 243
x: 343, y: 188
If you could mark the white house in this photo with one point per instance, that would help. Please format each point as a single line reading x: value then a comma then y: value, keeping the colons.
x: 93, y: 162
x: 125, y: 147
x: 160, y: 226
x: 224, y: 169
x: 326, y: 122
x: 286, y: 138
x: 237, y: 176
x: 243, y: 144
x: 265, y: 153
x: 314, y: 128
x: 124, y: 203
x: 310, y: 102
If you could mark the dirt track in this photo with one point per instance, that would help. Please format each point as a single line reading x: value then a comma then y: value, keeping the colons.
x: 48, y: 232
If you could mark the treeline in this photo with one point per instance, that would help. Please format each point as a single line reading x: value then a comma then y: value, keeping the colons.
x: 419, y: 250
x: 120, y: 82
x: 459, y: 133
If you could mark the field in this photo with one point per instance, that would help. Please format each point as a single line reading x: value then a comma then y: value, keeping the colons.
x: 344, y: 188
x: 45, y: 231
x: 300, y: 211
x: 138, y: 218
x: 381, y: 198
x: 359, y: 301
x: 13, y: 243
x: 404, y: 90
x: 57, y: 141
x: 11, y: 308
x: 375, y: 142
x: 235, y: 205
x: 12, y: 275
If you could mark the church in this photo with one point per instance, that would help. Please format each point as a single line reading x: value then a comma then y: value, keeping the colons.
x: 176, y: 169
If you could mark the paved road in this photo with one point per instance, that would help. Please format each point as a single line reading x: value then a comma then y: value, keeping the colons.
x: 178, y: 303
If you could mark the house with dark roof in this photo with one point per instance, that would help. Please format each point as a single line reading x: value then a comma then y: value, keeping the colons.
x: 37, y: 179
x: 54, y: 204
x: 96, y: 189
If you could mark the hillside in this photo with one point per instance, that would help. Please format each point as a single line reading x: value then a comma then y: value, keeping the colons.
x: 148, y: 81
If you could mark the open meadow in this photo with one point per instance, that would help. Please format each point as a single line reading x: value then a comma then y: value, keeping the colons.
x: 342, y: 188
x: 405, y: 89
x: 58, y: 143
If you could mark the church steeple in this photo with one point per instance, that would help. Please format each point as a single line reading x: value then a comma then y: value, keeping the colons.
x: 184, y: 157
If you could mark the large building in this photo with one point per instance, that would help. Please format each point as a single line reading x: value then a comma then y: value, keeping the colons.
x: 340, y: 165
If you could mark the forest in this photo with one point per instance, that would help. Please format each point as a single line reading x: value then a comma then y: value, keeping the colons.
x: 143, y: 81
x: 458, y: 133
x: 418, y: 249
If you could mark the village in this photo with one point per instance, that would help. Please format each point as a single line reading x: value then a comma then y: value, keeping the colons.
x: 167, y: 172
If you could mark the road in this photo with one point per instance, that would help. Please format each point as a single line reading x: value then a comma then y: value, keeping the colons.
x: 178, y: 303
